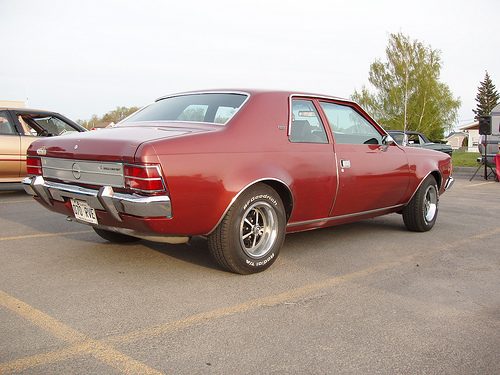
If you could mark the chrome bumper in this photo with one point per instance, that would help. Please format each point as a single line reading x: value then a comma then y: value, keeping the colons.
x: 449, y: 183
x: 103, y: 199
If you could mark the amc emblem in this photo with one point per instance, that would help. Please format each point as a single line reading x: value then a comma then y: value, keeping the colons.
x: 77, y: 172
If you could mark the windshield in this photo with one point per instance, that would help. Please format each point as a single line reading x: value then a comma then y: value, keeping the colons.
x: 216, y: 108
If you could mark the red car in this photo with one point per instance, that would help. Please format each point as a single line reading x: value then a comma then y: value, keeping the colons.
x: 241, y: 168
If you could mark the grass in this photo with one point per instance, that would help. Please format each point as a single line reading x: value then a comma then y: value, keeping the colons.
x: 465, y: 159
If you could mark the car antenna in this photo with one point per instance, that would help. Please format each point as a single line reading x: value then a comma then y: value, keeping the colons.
x: 404, y: 143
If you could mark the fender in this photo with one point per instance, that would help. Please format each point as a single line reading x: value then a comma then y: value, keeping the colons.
x: 421, y: 166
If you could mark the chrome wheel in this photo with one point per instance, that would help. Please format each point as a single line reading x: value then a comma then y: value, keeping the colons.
x: 420, y: 214
x: 251, y: 234
x: 430, y: 203
x: 258, y: 229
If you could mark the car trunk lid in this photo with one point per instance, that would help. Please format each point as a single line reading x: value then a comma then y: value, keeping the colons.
x: 113, y: 144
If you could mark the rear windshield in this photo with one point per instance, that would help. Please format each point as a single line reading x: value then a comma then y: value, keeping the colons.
x: 215, y: 108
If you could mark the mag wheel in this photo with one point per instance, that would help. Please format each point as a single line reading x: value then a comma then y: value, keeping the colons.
x: 251, y: 234
x: 421, y: 213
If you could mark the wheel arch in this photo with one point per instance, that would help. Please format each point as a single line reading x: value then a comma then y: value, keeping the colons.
x: 283, y: 191
x: 437, y: 176
x: 281, y: 188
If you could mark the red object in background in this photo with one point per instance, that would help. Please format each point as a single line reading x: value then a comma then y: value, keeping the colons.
x: 497, y: 162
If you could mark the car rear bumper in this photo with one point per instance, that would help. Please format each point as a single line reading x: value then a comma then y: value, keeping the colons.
x: 100, y: 199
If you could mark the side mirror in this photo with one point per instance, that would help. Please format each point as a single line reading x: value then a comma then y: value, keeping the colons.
x: 388, y: 140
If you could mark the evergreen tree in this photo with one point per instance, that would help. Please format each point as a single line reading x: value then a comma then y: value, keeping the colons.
x: 487, y: 97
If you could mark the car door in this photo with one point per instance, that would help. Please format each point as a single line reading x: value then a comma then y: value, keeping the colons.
x: 10, y: 149
x: 312, y: 163
x: 371, y: 175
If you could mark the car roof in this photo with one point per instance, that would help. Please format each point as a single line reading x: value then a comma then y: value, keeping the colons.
x: 29, y: 110
x: 257, y: 92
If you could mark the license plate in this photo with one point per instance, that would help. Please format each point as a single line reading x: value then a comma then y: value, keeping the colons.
x: 83, y: 211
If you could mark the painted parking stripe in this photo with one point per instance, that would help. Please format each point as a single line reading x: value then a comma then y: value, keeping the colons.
x: 104, y: 351
x: 42, y: 235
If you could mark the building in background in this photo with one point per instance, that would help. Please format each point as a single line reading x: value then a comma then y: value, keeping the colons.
x: 12, y: 104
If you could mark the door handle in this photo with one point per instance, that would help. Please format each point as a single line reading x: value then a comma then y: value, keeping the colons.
x: 345, y: 163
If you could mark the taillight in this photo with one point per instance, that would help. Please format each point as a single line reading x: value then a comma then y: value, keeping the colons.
x: 144, y: 178
x: 34, y: 165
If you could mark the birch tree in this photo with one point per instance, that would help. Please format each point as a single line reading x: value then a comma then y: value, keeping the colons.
x: 408, y: 94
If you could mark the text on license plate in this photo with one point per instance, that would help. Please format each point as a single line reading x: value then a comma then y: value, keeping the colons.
x: 83, y: 211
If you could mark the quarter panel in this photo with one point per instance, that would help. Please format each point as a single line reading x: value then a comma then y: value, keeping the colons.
x: 203, y: 186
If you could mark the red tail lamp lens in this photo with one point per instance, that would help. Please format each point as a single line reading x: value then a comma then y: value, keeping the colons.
x: 145, y: 178
x: 34, y: 165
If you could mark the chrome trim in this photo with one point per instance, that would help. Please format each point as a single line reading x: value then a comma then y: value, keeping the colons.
x: 84, y: 171
x: 449, y: 183
x: 343, y: 216
x: 103, y: 199
x: 337, y: 177
x: 235, y: 92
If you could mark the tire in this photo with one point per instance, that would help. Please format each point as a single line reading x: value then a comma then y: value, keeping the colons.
x: 251, y: 234
x: 115, y: 237
x: 421, y: 212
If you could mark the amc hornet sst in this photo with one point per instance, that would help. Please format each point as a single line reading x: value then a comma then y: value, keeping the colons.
x: 240, y: 168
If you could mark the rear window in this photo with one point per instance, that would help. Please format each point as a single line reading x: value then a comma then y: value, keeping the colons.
x: 215, y: 108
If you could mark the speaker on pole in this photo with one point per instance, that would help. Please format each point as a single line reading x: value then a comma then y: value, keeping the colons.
x: 484, y: 125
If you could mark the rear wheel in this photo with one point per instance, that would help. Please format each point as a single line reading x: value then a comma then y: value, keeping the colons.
x: 115, y: 237
x: 251, y: 234
x: 421, y: 213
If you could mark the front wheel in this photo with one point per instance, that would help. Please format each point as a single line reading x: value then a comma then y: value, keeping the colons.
x: 251, y: 234
x: 421, y: 213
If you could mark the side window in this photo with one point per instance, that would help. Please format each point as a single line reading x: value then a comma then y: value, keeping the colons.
x: 5, y: 125
x: 223, y: 114
x: 47, y: 126
x: 306, y: 125
x: 27, y: 128
x: 413, y: 139
x: 349, y: 127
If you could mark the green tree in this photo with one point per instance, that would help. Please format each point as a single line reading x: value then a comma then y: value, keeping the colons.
x: 118, y: 114
x: 408, y: 93
x: 89, y: 124
x: 487, y: 97
x: 115, y: 115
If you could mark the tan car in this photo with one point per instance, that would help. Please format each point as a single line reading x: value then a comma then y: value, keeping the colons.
x: 18, y: 128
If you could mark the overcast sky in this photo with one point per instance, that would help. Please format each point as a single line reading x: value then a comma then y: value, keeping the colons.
x: 82, y: 58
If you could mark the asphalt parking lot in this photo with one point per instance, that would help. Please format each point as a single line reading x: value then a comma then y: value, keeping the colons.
x: 362, y: 298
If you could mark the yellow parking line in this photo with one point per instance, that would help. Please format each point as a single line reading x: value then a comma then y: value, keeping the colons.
x: 82, y: 344
x: 483, y: 183
x: 23, y: 201
x: 41, y: 319
x: 42, y: 235
x: 104, y: 351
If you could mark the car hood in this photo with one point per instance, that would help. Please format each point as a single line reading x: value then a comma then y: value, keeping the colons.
x: 113, y: 144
